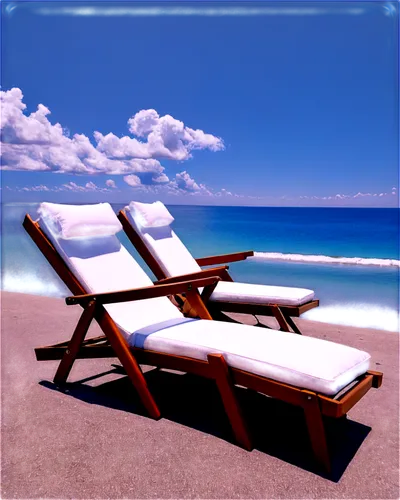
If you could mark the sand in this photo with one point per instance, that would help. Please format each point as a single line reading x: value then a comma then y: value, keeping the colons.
x: 94, y: 440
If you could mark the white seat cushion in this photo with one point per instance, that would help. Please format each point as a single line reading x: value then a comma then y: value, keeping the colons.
x: 305, y: 362
x: 175, y: 259
x: 227, y: 291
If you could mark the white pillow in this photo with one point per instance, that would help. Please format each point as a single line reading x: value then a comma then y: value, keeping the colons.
x: 76, y: 221
x: 150, y: 214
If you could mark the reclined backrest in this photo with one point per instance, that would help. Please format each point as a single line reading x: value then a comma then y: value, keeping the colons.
x: 85, y: 237
x: 152, y: 222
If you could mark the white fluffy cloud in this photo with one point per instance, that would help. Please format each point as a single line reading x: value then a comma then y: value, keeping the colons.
x: 132, y: 180
x: 160, y: 178
x: 182, y: 184
x: 224, y: 192
x: 42, y: 187
x: 168, y: 137
x: 33, y: 143
x: 185, y: 182
x: 88, y: 187
x: 110, y: 183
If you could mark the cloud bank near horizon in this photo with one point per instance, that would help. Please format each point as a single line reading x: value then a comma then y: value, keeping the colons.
x: 151, y: 193
x: 32, y: 143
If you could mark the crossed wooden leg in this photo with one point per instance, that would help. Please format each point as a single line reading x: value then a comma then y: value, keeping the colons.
x: 75, y: 343
x: 227, y: 391
x: 316, y: 430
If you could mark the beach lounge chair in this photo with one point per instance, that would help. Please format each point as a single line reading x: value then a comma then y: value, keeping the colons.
x: 142, y: 326
x: 170, y: 261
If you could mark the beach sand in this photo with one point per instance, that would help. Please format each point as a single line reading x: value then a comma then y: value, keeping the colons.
x: 94, y: 440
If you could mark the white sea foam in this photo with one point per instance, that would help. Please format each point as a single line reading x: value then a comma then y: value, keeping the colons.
x: 325, y: 259
x: 31, y: 284
x: 355, y: 314
x: 363, y: 317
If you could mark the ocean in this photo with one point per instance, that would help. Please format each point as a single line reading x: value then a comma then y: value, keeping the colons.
x: 350, y: 257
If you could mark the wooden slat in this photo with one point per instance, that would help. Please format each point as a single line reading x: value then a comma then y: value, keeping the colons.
x: 140, y: 293
x: 204, y: 273
x: 89, y: 352
x: 269, y: 387
x: 355, y: 394
x: 96, y: 340
x: 213, y: 260
x: 336, y: 408
x: 301, y: 309
x: 173, y: 362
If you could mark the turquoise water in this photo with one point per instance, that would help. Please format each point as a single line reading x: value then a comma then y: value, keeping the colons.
x: 361, y: 295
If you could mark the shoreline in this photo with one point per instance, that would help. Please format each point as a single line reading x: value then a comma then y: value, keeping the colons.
x: 93, y: 440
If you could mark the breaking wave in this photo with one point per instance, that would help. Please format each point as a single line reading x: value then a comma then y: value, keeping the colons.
x: 356, y: 314
x: 32, y: 284
x: 325, y: 259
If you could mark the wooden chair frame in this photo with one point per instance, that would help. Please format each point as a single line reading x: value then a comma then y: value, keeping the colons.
x: 113, y: 344
x: 282, y: 314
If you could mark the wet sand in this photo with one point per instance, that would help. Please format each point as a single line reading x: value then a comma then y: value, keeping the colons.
x: 94, y: 440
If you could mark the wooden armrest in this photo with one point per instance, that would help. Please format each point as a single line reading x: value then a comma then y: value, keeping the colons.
x: 222, y: 259
x: 149, y: 292
x: 204, y: 273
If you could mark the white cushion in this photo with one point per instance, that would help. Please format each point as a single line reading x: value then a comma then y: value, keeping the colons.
x: 150, y: 214
x: 165, y: 246
x: 227, y: 291
x: 305, y: 362
x: 102, y: 264
x: 175, y: 259
x: 74, y: 221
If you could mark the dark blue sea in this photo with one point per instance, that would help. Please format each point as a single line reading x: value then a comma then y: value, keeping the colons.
x: 350, y: 257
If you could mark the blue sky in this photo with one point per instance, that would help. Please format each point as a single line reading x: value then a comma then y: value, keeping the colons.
x: 298, y: 102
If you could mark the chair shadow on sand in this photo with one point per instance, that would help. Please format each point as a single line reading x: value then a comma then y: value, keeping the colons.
x: 277, y: 428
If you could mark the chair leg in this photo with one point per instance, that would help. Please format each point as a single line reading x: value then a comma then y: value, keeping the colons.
x: 196, y: 303
x: 128, y: 362
x: 74, y: 344
x: 231, y: 405
x: 280, y: 318
x: 316, y: 430
x: 292, y: 324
